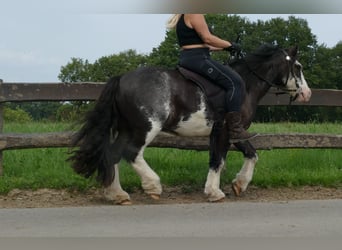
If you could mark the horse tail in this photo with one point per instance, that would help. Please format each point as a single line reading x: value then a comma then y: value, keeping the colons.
x: 94, y: 137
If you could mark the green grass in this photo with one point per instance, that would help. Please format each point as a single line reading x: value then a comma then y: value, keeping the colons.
x: 298, y: 167
x: 291, y: 127
x: 47, y: 168
x: 36, y: 127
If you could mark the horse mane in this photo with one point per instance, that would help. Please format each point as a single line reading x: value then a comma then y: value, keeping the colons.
x: 262, y: 53
x: 265, y: 50
x: 254, y: 60
x: 257, y: 58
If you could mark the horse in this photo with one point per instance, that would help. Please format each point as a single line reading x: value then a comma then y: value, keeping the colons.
x: 135, y: 107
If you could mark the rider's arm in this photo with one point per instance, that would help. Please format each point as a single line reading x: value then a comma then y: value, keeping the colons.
x: 197, y: 22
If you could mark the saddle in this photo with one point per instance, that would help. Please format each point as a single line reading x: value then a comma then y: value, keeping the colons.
x: 214, y: 94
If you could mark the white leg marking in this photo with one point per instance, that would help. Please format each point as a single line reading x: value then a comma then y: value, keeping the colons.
x: 150, y: 181
x: 114, y: 192
x: 244, y: 177
x: 212, y: 185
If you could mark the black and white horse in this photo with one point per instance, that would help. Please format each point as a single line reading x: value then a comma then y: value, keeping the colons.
x: 135, y: 107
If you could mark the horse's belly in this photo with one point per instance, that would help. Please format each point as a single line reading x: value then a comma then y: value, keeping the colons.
x: 195, y: 125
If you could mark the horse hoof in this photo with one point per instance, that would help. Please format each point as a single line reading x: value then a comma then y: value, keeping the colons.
x: 236, y: 189
x: 218, y: 201
x: 220, y: 197
x: 155, y: 196
x: 125, y: 203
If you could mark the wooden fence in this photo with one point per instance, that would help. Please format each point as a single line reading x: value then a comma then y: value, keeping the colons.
x: 21, y: 92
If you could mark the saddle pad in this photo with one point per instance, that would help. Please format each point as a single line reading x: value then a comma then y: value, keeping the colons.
x: 213, y: 93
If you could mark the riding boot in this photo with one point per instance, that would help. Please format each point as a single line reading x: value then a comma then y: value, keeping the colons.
x: 236, y: 131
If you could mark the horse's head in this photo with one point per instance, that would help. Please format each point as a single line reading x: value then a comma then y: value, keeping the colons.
x: 289, y: 76
x: 293, y: 80
x: 280, y: 68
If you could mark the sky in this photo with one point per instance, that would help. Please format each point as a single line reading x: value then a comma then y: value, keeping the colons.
x: 34, y: 44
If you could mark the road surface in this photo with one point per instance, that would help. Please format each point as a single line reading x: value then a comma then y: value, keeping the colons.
x: 229, y: 219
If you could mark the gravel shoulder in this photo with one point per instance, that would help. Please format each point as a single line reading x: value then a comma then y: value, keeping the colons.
x: 63, y: 198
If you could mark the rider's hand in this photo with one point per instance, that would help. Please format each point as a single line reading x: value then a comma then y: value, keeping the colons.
x: 235, y: 47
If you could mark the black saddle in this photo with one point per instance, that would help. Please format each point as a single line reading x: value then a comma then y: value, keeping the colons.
x: 214, y: 94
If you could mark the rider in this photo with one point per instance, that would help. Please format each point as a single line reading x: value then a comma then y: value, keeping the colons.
x: 196, y: 41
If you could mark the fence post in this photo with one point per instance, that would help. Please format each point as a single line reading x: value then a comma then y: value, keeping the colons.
x: 1, y: 128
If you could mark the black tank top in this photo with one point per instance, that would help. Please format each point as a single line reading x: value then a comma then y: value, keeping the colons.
x: 186, y: 35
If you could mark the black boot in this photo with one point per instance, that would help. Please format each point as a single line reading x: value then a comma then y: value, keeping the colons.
x: 236, y: 131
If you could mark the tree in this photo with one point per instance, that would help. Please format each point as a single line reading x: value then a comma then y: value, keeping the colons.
x: 113, y: 65
x: 77, y: 70
x: 37, y: 110
x: 167, y: 53
x: 16, y: 115
x: 336, y: 66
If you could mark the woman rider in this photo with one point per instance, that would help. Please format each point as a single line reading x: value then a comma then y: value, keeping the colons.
x: 196, y: 42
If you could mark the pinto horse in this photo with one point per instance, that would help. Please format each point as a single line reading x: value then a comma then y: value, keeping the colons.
x: 135, y: 107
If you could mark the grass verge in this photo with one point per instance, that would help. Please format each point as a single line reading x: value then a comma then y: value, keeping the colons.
x: 48, y: 168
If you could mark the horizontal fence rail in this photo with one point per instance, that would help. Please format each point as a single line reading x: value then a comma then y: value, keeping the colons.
x: 85, y: 91
x: 90, y: 91
x: 20, y: 92
x: 262, y: 141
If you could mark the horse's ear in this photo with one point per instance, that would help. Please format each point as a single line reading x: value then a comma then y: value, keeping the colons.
x: 293, y: 51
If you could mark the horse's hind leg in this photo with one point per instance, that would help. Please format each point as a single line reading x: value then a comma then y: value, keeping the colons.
x: 134, y: 154
x: 114, y: 192
x: 150, y: 181
x: 244, y: 177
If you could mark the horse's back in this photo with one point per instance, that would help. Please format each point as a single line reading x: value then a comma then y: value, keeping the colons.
x: 161, y: 96
x: 145, y: 81
x: 153, y: 86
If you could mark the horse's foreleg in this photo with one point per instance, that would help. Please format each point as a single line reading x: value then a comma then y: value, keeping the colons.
x: 212, y: 185
x: 244, y: 177
x: 217, y: 154
x: 114, y: 192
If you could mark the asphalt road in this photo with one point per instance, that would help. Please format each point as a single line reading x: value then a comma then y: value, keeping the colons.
x: 229, y: 219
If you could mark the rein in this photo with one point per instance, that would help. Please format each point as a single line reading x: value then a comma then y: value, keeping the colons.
x: 282, y: 88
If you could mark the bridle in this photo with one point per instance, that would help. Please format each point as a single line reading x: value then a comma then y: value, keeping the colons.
x: 281, y: 87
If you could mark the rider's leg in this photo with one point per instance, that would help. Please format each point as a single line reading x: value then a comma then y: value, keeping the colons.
x: 234, y: 85
x: 199, y: 61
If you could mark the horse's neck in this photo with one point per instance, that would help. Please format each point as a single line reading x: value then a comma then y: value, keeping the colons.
x: 255, y: 86
x: 256, y: 90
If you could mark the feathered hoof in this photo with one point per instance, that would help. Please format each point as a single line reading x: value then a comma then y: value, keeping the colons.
x: 124, y: 203
x: 155, y: 196
x: 218, y: 201
x: 119, y: 198
x: 216, y: 197
x: 236, y: 189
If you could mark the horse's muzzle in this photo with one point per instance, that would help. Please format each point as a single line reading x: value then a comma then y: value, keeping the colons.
x: 304, y: 95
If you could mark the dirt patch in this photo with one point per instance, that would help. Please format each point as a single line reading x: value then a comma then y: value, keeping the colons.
x: 64, y: 198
